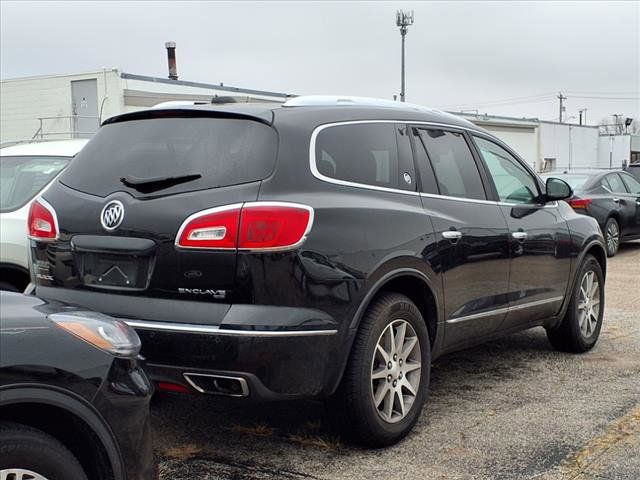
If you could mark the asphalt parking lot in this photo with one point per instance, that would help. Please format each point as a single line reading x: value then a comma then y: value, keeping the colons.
x: 510, y: 409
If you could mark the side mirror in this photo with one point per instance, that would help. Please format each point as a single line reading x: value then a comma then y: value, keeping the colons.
x: 557, y: 189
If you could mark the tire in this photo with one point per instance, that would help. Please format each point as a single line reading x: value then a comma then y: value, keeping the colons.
x: 580, y: 327
x: 26, y: 448
x: 612, y: 236
x: 353, y: 406
x: 9, y: 287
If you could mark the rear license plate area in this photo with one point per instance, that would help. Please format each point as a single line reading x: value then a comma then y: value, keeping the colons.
x: 113, y: 271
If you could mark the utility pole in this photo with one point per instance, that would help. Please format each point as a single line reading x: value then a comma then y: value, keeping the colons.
x: 403, y: 20
x: 562, y: 108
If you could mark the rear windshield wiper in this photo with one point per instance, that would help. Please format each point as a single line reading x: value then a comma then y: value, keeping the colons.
x: 147, y: 185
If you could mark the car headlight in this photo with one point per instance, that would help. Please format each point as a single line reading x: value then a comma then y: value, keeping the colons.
x: 101, y: 331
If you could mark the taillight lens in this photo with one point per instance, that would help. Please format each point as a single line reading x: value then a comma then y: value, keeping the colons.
x: 42, y: 221
x: 214, y: 228
x: 252, y: 226
x: 580, y: 203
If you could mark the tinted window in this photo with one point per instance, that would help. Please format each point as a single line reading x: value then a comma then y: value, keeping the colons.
x: 513, y: 182
x: 360, y: 153
x: 453, y: 164
x: 632, y: 184
x: 223, y: 151
x: 615, y: 183
x: 427, y: 177
x: 21, y: 178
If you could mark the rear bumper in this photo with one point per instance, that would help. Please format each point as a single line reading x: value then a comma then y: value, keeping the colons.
x: 280, y: 352
x: 263, y: 365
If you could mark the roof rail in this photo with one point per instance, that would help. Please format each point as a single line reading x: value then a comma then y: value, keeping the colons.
x: 334, y: 100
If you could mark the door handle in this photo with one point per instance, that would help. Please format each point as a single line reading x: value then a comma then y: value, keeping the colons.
x: 616, y: 200
x: 520, y: 236
x: 452, y: 235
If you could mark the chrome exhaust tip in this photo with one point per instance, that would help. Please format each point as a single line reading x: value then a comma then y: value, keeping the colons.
x: 218, y: 384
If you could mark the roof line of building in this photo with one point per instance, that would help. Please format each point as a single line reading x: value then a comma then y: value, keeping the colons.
x: 56, y: 75
x: 186, y: 83
x: 486, y: 116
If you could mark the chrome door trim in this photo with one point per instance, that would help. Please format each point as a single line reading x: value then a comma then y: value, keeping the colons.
x: 504, y: 310
x: 216, y: 330
x: 316, y: 173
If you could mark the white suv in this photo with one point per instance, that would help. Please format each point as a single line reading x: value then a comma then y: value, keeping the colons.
x: 25, y: 171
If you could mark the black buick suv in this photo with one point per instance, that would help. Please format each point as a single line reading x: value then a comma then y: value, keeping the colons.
x: 323, y: 248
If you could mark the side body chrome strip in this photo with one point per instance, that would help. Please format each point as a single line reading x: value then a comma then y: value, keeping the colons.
x: 215, y: 330
x: 498, y: 311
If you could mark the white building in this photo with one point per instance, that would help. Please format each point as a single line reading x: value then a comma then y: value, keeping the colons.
x: 550, y: 146
x: 64, y: 106
x: 74, y: 105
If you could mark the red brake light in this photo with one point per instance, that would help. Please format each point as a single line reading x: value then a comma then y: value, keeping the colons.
x: 266, y: 226
x: 252, y: 226
x: 580, y: 203
x: 42, y: 221
x: 213, y: 228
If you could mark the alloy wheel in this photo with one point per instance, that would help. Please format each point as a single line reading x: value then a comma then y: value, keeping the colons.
x: 20, y: 474
x: 589, y: 304
x: 395, y: 371
x: 613, y: 237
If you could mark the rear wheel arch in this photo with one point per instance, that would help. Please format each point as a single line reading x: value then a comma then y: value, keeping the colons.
x: 71, y: 422
x: 413, y: 284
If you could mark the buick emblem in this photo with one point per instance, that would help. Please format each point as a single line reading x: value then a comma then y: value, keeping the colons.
x: 112, y: 215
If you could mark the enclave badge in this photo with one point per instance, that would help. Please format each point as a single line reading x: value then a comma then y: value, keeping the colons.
x: 112, y: 215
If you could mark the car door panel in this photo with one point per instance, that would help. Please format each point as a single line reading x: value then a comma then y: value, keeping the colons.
x: 539, y: 238
x: 472, y: 250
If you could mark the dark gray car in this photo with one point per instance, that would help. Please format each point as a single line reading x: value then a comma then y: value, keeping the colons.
x: 612, y: 198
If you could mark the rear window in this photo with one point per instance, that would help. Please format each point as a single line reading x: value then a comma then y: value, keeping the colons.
x: 217, y: 152
x: 366, y: 154
x: 22, y: 177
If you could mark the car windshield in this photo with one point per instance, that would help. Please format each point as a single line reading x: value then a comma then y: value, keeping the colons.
x: 576, y: 182
x: 22, y: 177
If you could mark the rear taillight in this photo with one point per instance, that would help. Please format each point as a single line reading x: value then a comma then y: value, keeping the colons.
x: 250, y: 226
x: 42, y: 221
x: 580, y: 203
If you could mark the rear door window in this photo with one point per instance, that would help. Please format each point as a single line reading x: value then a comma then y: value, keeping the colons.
x: 217, y: 152
x: 632, y: 184
x: 615, y: 183
x: 455, y: 169
x: 22, y: 178
x: 370, y: 154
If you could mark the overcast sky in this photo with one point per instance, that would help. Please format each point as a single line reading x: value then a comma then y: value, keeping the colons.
x: 460, y: 55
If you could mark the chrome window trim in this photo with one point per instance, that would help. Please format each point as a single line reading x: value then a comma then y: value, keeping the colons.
x: 508, y: 309
x: 316, y: 173
x: 216, y: 330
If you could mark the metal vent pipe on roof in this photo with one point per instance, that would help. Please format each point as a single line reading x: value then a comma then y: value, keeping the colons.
x: 171, y: 58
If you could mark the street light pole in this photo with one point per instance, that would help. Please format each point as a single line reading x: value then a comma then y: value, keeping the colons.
x: 403, y: 20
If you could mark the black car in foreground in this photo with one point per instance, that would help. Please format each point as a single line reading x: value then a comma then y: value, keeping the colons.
x: 74, y: 401
x: 324, y: 248
x: 611, y: 197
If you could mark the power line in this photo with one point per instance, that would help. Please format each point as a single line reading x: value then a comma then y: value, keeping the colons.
x: 491, y: 102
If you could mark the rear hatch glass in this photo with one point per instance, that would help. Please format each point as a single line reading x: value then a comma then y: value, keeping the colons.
x: 22, y: 177
x: 164, y: 156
